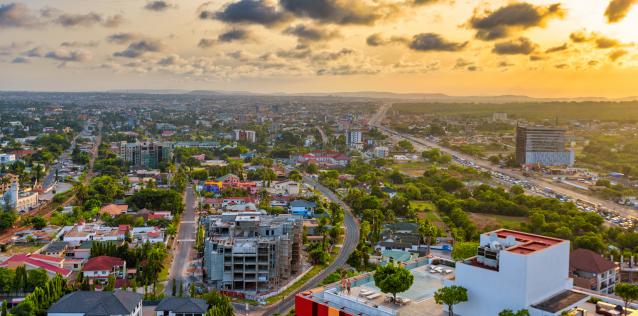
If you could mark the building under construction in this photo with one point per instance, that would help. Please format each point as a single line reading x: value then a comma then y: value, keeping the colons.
x: 252, y: 252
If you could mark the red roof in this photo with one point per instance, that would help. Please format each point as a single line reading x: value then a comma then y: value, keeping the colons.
x: 40, y: 257
x: 24, y: 259
x: 589, y: 261
x: 102, y: 263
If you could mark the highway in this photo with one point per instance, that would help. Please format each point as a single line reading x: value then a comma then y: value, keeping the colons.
x: 183, y: 248
x: 422, y: 144
x: 350, y: 242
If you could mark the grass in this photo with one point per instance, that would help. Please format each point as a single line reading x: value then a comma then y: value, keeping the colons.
x: 422, y: 205
x: 23, y: 248
x: 414, y: 168
x: 489, y: 221
x: 316, y: 269
x: 313, y: 272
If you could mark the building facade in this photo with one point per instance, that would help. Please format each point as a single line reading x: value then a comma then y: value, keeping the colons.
x: 146, y: 155
x: 542, y: 145
x: 593, y: 272
x: 515, y: 270
x: 251, y: 252
x: 243, y: 135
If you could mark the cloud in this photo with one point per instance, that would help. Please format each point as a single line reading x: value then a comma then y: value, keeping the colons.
x: 616, y: 54
x: 557, y: 49
x: 21, y: 60
x: 76, y: 44
x: 561, y: 66
x: 234, y: 35
x: 114, y: 21
x: 462, y: 63
x: 35, y: 52
x: 618, y: 9
x: 498, y: 24
x: 139, y: 48
x: 340, y: 11
x: 434, y: 42
x: 158, y: 6
x: 69, y: 55
x: 17, y: 15
x: 599, y: 40
x: 299, y: 52
x: 206, y: 43
x: 307, y: 33
x: 88, y: 19
x: 521, y: 45
x: 123, y: 38
x: 378, y: 40
x: 247, y: 11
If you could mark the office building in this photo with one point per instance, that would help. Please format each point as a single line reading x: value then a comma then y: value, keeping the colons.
x: 250, y: 252
x: 145, y: 155
x: 516, y: 270
x: 545, y: 146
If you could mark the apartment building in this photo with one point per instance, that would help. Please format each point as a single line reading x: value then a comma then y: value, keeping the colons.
x: 145, y: 155
x: 593, y: 272
x: 251, y: 252
x: 516, y: 270
x: 243, y: 135
x: 542, y: 145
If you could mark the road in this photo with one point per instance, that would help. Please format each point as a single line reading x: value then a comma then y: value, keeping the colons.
x: 183, y: 248
x: 350, y: 242
x: 421, y: 144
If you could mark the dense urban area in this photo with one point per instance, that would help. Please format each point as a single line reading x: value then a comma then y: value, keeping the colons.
x: 202, y: 203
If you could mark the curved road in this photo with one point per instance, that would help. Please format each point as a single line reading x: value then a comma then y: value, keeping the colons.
x: 349, y: 244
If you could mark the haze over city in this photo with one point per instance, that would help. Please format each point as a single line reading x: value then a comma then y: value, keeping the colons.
x: 536, y: 48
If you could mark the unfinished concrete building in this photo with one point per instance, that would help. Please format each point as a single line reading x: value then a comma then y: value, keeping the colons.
x: 252, y: 252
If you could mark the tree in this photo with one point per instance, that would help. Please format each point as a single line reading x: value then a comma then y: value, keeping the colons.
x: 393, y: 279
x: 5, y: 312
x: 220, y: 305
x: 110, y: 286
x: 450, y: 296
x: 509, y: 312
x: 174, y: 288
x: 428, y: 231
x: 628, y: 292
x: 181, y: 289
x: 191, y: 289
x: 464, y: 250
x: 26, y: 308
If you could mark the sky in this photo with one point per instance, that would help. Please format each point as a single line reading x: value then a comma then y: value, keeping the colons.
x: 542, y: 48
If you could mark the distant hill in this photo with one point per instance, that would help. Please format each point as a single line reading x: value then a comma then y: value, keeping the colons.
x: 422, y: 97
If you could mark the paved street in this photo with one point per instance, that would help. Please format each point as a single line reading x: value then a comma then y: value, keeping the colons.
x: 183, y: 247
x: 421, y: 144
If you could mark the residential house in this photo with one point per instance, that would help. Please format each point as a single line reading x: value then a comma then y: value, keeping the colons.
x: 148, y: 234
x: 55, y: 249
x: 302, y: 207
x: 593, y: 272
x: 90, y: 303
x: 101, y: 267
x: 389, y: 191
x: 181, y: 306
x: 52, y: 265
x: 114, y: 209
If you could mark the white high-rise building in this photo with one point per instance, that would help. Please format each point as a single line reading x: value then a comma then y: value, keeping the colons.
x: 353, y: 137
x: 516, y: 270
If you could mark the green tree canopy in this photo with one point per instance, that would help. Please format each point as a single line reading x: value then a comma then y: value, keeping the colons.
x: 450, y: 296
x: 393, y: 279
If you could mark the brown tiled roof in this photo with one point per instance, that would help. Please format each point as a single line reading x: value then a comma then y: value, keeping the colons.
x: 589, y: 261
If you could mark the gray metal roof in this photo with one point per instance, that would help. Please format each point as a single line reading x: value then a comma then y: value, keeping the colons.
x: 183, y: 305
x: 97, y: 303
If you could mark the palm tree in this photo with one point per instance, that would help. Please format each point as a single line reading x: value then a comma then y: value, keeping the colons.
x: 427, y: 231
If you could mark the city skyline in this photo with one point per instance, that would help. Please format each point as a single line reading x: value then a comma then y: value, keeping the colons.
x: 536, y: 48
